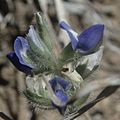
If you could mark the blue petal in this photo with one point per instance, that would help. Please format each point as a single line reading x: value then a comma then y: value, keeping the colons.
x: 20, y: 48
x: 62, y: 96
x: 72, y: 34
x: 90, y: 38
x: 64, y: 99
x: 59, y: 86
x: 14, y: 59
x: 59, y: 80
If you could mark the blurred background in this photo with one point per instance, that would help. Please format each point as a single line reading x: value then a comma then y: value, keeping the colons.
x: 15, y: 18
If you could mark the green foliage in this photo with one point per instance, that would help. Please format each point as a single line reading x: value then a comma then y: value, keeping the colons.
x: 41, y: 99
x: 44, y: 30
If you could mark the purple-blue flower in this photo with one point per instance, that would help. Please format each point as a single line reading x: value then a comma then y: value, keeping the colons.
x: 88, y: 40
x: 60, y: 86
x: 17, y: 56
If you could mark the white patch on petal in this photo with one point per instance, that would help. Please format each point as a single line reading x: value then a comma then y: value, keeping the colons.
x: 74, y: 34
x: 24, y: 57
x: 23, y: 52
x: 35, y: 38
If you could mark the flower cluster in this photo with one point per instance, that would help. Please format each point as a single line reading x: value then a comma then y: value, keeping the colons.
x: 52, y: 81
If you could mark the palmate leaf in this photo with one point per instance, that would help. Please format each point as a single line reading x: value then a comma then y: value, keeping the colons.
x: 44, y: 30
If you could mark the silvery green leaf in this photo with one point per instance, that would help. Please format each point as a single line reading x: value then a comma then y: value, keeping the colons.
x: 90, y: 63
x: 44, y: 30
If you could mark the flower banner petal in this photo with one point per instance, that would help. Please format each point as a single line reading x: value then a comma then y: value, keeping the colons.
x: 20, y: 48
x: 90, y: 38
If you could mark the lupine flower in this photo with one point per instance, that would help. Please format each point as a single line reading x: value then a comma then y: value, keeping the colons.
x: 88, y: 40
x: 34, y: 54
x: 60, y: 86
x: 17, y: 56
